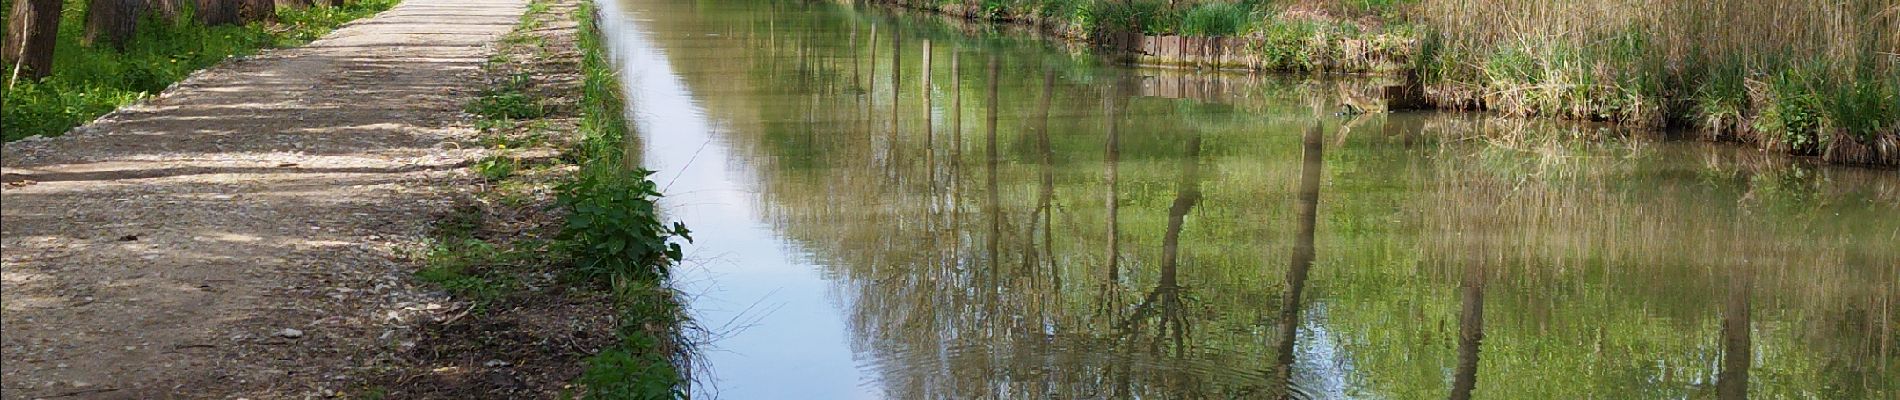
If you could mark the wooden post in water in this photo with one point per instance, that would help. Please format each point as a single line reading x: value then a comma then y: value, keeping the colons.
x: 897, y: 73
x: 870, y: 82
x: 956, y: 108
x: 956, y: 146
x: 1112, y: 176
x: 870, y: 77
x: 854, y: 55
x: 989, y: 150
x: 930, y: 140
x: 771, y: 41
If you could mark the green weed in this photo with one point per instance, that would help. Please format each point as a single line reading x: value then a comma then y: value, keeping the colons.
x: 1287, y: 46
x: 496, y: 167
x: 531, y: 19
x: 468, y: 266
x: 613, y: 229
x: 508, y: 100
x: 644, y: 364
x: 1792, y: 114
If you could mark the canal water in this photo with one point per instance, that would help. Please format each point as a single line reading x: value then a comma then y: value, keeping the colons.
x: 901, y: 206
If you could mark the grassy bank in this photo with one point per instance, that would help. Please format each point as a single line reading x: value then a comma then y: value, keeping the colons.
x: 559, y: 241
x: 91, y: 80
x: 1800, y: 77
x: 619, y: 240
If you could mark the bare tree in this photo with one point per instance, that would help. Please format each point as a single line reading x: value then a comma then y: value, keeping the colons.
x: 32, y: 29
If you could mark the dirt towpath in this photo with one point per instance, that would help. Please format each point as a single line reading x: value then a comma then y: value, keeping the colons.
x: 241, y: 235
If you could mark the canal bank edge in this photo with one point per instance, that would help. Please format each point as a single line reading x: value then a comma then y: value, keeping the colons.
x: 1372, y: 45
x: 535, y: 321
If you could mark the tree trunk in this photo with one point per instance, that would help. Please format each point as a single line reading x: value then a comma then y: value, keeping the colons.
x: 32, y: 27
x: 112, y: 21
x: 257, y: 10
x: 167, y: 10
x: 217, y: 12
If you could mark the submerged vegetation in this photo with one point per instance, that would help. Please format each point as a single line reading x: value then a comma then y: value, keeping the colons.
x: 90, y: 78
x: 1803, y: 77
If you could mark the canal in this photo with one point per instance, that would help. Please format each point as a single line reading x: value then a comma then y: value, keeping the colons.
x: 901, y: 206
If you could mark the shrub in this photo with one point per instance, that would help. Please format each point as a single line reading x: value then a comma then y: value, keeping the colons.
x: 613, y: 228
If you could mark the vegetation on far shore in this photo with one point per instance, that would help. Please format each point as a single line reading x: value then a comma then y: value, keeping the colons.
x: 91, y: 78
x: 1803, y: 77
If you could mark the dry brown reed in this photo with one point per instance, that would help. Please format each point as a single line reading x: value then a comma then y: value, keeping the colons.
x: 1804, y: 76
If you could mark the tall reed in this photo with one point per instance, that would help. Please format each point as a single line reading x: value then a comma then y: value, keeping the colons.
x: 1804, y: 76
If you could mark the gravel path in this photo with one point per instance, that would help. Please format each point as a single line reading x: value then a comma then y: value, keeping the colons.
x: 242, y: 234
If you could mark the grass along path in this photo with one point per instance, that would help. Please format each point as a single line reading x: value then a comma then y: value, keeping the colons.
x: 91, y: 80
x: 240, y: 235
x: 557, y: 254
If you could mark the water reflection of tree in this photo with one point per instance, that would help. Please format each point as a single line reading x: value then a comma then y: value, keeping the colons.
x: 1300, y: 264
x: 1163, y: 304
x: 1737, y: 341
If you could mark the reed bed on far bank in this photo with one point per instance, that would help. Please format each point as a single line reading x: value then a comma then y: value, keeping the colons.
x: 1809, y: 77
x: 1804, y: 77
